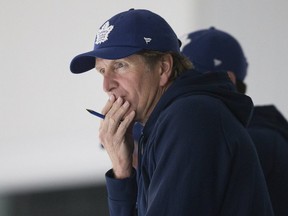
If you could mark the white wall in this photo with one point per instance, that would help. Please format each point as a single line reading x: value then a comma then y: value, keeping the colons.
x: 47, y: 139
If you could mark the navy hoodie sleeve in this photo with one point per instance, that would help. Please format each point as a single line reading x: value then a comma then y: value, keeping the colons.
x: 122, y: 194
x: 191, y: 163
x: 273, y: 150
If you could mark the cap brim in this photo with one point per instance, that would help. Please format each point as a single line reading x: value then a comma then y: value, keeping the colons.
x: 86, y: 61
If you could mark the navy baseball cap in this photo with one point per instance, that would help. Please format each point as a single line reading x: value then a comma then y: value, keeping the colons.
x: 125, y: 34
x: 215, y: 51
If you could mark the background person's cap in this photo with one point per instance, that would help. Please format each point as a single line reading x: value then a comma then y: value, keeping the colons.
x: 215, y: 51
x: 125, y: 34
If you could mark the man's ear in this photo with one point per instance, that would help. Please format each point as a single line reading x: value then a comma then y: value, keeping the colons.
x: 166, y: 69
x: 232, y: 77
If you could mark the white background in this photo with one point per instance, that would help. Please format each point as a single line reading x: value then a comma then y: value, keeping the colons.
x: 47, y: 139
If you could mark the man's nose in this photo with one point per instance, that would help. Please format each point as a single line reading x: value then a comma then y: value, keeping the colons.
x: 109, y: 82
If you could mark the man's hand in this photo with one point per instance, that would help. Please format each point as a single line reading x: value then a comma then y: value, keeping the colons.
x: 115, y: 134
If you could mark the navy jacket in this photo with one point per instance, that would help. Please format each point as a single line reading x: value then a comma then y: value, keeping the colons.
x: 269, y: 132
x: 195, y: 156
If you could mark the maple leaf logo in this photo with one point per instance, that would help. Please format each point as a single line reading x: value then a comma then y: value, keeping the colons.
x: 103, y: 33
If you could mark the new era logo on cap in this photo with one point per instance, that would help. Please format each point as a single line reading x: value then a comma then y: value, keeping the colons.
x: 217, y: 62
x: 147, y: 40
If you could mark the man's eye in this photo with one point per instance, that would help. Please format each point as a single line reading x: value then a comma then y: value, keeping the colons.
x: 119, y: 65
x: 101, y: 71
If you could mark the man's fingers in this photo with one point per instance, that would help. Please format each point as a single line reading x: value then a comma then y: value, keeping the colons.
x: 124, y: 125
x: 109, y: 104
x: 117, y: 120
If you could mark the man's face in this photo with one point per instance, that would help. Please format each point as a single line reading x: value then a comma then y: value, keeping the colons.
x: 131, y: 79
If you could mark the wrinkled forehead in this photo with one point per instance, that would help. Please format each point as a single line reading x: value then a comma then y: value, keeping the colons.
x: 134, y: 59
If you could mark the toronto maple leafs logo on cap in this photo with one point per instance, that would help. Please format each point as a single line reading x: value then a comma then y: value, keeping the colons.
x: 103, y: 33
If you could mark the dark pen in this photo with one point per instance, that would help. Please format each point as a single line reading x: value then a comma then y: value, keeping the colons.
x: 96, y: 113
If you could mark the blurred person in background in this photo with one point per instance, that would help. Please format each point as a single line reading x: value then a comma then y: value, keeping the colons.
x: 215, y: 51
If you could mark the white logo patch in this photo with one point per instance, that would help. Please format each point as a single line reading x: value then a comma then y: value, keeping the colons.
x: 147, y: 40
x: 217, y: 62
x: 103, y: 33
x: 185, y: 41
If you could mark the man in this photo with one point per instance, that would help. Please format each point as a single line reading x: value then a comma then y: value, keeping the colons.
x: 213, y: 50
x: 195, y: 157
